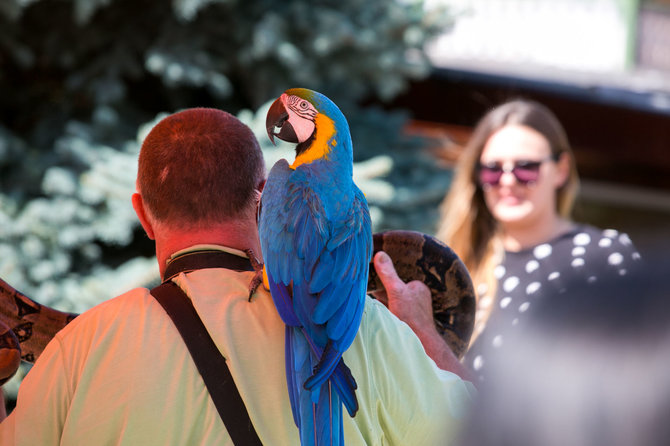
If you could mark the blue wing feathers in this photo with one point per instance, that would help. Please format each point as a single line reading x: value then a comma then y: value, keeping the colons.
x: 322, y: 273
x: 350, y: 333
x: 297, y: 269
x: 345, y: 262
x: 283, y: 302
x: 324, y: 369
x: 330, y: 302
x: 290, y: 365
x: 346, y: 386
x: 342, y: 379
x: 341, y: 325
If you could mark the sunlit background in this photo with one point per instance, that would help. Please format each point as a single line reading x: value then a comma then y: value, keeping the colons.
x: 83, y: 80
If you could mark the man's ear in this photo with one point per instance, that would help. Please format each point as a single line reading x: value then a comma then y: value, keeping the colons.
x: 260, y: 186
x: 138, y: 205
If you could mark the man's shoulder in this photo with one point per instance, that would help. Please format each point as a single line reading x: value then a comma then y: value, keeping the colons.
x: 382, y: 330
x: 129, y: 300
x: 376, y: 315
x: 133, y: 303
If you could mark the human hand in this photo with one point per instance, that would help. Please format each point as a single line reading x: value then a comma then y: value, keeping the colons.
x: 411, y: 302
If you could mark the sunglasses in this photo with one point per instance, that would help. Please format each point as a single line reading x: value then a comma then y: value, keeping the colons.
x: 525, y: 171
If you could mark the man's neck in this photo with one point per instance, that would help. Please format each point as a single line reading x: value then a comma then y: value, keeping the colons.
x: 237, y: 235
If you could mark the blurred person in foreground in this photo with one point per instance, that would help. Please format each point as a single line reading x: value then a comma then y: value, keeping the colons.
x: 588, y: 369
x: 507, y: 215
x: 121, y: 374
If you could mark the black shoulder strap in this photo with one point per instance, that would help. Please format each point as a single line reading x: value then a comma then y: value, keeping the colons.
x: 210, y: 363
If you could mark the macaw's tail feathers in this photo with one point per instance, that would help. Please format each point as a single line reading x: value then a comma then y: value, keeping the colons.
x: 322, y: 424
x: 317, y: 413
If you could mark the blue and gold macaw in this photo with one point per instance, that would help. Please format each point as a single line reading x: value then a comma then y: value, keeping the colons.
x: 316, y: 240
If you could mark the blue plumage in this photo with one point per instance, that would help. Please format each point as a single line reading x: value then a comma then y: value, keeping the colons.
x: 316, y: 240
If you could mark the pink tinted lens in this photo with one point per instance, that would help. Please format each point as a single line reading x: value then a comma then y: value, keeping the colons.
x: 490, y: 175
x: 524, y: 171
x: 527, y: 174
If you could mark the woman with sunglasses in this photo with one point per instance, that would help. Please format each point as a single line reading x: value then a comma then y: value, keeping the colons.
x: 507, y: 215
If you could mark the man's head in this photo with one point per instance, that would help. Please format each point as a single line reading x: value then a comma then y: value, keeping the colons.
x: 199, y: 166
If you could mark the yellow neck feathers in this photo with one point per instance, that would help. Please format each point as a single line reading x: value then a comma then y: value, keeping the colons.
x: 321, y: 146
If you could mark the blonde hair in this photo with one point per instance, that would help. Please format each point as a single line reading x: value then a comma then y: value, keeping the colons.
x: 466, y: 224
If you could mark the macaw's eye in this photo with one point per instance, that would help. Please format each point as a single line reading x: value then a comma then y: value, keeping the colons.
x: 304, y: 105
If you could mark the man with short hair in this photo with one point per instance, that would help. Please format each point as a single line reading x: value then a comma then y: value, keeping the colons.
x: 121, y: 374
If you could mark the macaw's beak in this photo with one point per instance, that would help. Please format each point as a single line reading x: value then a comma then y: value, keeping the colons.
x: 276, y: 123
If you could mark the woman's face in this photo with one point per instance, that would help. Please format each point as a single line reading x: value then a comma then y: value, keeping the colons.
x: 524, y: 193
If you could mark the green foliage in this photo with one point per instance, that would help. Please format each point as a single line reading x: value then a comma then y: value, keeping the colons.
x: 52, y: 243
x: 80, y: 77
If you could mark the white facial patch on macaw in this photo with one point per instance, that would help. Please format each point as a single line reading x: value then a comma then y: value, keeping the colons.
x: 301, y: 116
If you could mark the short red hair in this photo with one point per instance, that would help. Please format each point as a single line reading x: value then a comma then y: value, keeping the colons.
x: 199, y: 166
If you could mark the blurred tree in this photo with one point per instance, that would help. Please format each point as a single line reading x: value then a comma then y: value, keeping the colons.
x: 80, y: 77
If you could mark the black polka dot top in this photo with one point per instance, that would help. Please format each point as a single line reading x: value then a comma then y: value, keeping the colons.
x: 583, y: 256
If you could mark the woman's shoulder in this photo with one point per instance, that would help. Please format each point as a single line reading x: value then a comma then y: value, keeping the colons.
x: 592, y: 246
x: 583, y: 245
x: 588, y: 235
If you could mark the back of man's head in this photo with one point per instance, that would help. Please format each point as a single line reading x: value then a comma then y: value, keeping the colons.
x: 199, y: 166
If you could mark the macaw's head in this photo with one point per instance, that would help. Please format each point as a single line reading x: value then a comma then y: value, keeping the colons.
x: 308, y: 119
x: 291, y: 117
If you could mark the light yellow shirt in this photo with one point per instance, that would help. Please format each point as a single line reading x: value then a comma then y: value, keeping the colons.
x: 120, y: 374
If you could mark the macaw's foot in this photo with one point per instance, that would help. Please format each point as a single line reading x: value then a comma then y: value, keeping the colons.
x: 258, y: 277
x: 256, y: 264
x: 255, y: 282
